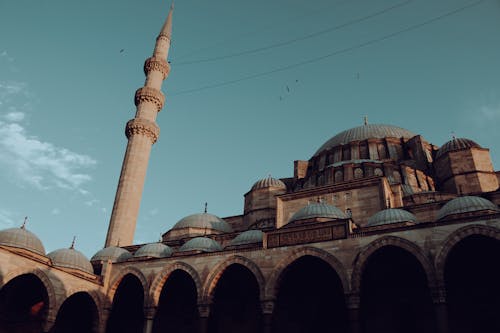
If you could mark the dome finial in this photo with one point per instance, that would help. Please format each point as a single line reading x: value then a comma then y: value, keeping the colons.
x: 23, y: 226
x: 365, y: 120
x: 206, y: 205
x: 72, y: 247
x: 453, y: 136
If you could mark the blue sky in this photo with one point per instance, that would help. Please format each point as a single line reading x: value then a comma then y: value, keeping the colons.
x: 254, y: 85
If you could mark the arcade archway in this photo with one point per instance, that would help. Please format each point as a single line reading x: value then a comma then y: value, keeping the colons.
x: 23, y: 305
x: 236, y: 304
x: 78, y: 314
x: 395, y: 296
x: 127, y: 314
x: 310, y: 298
x: 472, y: 276
x: 177, y: 308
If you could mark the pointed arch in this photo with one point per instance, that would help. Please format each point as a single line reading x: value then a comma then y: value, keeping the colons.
x: 212, y: 280
x: 276, y: 275
x: 95, y: 295
x: 368, y: 250
x: 54, y: 302
x: 118, y: 279
x: 457, y: 236
x: 161, y: 277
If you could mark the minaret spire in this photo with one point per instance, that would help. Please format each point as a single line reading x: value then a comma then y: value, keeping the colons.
x: 142, y: 132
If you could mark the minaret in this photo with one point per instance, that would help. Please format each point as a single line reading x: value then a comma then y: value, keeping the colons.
x: 142, y: 132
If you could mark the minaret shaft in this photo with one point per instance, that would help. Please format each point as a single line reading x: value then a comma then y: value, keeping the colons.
x: 142, y: 132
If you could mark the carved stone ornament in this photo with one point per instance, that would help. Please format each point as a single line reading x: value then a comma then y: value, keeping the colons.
x: 142, y: 127
x: 147, y: 94
x: 156, y: 64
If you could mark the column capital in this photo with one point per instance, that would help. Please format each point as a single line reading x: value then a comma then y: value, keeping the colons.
x: 148, y: 94
x: 150, y: 312
x: 204, y: 310
x: 143, y: 127
x: 438, y: 295
x: 267, y: 306
x: 352, y: 300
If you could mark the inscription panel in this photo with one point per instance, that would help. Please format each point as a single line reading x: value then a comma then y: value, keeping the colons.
x: 322, y: 234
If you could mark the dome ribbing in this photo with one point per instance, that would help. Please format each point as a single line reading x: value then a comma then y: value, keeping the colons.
x: 364, y: 132
x: 70, y: 258
x: 466, y: 204
x: 23, y: 239
x: 391, y: 215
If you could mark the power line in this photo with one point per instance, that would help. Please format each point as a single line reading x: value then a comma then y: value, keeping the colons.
x: 341, y: 51
x: 261, y: 28
x: 298, y: 39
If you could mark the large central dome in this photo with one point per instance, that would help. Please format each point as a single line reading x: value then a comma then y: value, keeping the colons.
x: 364, y: 132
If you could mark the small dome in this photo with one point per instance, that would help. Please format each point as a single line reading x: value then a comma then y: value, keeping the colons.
x: 268, y: 182
x: 391, y: 215
x: 203, y: 244
x: 154, y: 250
x: 318, y: 209
x: 364, y: 132
x: 70, y: 258
x: 456, y: 144
x: 203, y: 221
x: 113, y: 253
x: 248, y: 237
x: 466, y: 204
x: 23, y: 239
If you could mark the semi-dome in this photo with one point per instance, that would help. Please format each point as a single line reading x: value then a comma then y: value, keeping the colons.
x: 268, y: 182
x: 391, y: 215
x: 23, y: 239
x: 466, y: 204
x: 70, y: 258
x: 456, y: 144
x: 113, y: 253
x: 203, y: 221
x: 318, y: 210
x: 154, y: 250
x: 364, y: 132
x: 248, y: 237
x: 203, y: 244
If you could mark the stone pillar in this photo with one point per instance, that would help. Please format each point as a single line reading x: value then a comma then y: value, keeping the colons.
x: 353, y: 315
x: 106, y: 312
x: 440, y: 308
x: 267, y: 314
x: 149, y: 317
x: 204, y: 312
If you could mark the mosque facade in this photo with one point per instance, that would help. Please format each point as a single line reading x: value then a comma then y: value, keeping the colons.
x: 379, y: 231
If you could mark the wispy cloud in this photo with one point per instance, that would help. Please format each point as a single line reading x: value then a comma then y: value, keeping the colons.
x: 6, y: 219
x: 14, y: 116
x: 30, y: 159
x: 488, y: 113
x: 6, y: 58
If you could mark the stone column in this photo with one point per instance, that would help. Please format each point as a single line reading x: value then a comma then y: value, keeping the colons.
x: 106, y: 312
x: 149, y: 317
x: 440, y: 308
x: 353, y: 315
x: 204, y: 312
x: 267, y: 314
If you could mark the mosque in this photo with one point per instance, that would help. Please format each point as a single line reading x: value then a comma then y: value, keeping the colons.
x: 379, y: 231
